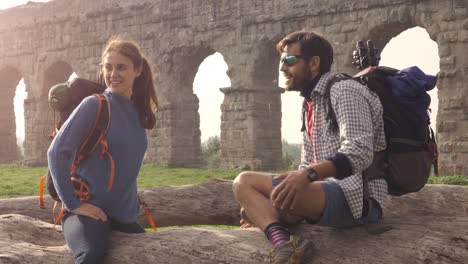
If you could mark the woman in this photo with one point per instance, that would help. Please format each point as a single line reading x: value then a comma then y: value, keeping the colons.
x: 131, y: 93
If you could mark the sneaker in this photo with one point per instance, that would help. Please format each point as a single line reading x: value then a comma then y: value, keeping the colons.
x: 295, y: 251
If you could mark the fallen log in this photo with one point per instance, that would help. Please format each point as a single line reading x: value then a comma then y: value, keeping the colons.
x: 212, y: 203
x: 430, y: 226
x: 432, y: 200
x: 415, y: 240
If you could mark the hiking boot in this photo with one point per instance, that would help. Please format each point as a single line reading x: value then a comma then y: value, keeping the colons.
x: 295, y: 251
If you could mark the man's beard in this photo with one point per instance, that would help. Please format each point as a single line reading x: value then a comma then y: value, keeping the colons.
x: 301, y: 84
x: 294, y: 88
x: 304, y: 86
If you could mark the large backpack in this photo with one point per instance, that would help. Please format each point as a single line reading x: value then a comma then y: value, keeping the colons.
x: 64, y: 98
x: 411, y: 147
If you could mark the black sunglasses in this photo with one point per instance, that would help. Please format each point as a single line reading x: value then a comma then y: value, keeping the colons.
x: 290, y: 60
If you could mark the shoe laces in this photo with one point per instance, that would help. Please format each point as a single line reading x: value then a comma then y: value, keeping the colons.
x: 285, y: 252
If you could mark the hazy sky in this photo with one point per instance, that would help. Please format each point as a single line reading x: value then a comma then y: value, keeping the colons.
x: 412, y: 47
x: 9, y: 3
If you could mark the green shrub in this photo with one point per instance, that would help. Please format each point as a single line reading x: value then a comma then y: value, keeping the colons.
x: 291, y: 155
x: 211, y: 151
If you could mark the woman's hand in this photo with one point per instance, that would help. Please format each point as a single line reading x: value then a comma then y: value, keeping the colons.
x: 89, y: 210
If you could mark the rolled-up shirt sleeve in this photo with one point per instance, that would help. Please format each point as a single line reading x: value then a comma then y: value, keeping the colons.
x: 62, y: 151
x: 342, y: 165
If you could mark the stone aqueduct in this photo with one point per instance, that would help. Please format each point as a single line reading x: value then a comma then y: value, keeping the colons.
x: 44, y: 43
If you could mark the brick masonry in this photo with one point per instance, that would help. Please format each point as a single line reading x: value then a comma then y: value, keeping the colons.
x: 45, y: 42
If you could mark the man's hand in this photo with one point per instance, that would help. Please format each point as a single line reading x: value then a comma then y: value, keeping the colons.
x: 89, y: 210
x: 285, y: 195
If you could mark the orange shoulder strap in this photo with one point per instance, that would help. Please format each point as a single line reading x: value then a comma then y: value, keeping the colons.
x: 147, y: 213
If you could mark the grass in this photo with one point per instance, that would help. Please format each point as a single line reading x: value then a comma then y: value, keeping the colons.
x: 16, y: 181
x: 454, y: 180
x: 19, y: 180
x: 152, y: 175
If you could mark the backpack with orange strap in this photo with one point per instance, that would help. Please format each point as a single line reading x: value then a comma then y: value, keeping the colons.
x: 64, y: 98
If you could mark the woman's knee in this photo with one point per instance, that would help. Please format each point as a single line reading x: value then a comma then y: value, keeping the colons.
x: 87, y: 238
x: 92, y: 251
x: 89, y: 255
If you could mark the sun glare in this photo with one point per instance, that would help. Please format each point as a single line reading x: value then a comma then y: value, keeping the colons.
x: 4, y: 4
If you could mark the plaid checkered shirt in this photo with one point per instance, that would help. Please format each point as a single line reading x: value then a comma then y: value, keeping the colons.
x: 361, y: 133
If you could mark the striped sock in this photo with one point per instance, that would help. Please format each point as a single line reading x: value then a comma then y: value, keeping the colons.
x: 277, y: 233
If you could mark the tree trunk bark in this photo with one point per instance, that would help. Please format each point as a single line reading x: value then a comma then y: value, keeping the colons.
x: 430, y: 226
x: 210, y: 203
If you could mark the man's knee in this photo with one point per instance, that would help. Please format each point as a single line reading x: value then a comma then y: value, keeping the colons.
x: 241, y: 182
x: 252, y: 181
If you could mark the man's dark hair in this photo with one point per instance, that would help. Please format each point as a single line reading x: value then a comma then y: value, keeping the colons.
x: 312, y: 44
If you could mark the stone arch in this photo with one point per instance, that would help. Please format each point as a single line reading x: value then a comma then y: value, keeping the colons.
x: 57, y: 72
x: 10, y: 77
x: 178, y: 119
x: 265, y: 66
x: 383, y: 33
x: 240, y: 28
x: 251, y: 112
x: 210, y: 77
x: 39, y: 126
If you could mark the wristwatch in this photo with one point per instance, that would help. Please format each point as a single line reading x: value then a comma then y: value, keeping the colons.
x: 311, y: 174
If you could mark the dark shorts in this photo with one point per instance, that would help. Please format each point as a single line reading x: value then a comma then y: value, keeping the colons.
x: 337, y: 212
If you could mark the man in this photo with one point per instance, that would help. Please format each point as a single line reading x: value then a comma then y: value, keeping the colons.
x: 327, y: 189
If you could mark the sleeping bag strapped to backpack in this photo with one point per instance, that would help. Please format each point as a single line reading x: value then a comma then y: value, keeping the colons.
x: 411, y: 147
x: 65, y: 97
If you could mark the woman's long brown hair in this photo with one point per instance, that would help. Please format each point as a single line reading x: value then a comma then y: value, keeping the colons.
x: 143, y: 93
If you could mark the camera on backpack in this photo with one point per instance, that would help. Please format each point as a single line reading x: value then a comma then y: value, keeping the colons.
x: 365, y: 55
